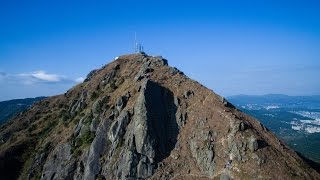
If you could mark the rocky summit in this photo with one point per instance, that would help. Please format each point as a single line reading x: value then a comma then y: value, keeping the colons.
x: 138, y: 118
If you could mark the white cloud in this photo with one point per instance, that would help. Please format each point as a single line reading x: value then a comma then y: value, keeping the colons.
x: 37, y: 77
x: 79, y: 80
x: 40, y: 76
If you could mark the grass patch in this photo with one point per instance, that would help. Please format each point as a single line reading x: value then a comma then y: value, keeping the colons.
x: 49, y: 126
x: 81, y: 142
x: 111, y: 86
x: 31, y: 128
x: 94, y: 95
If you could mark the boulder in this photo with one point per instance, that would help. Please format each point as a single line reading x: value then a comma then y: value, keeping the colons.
x: 188, y: 94
x: 118, y: 127
x: 202, y: 150
x: 253, y: 144
x: 122, y: 102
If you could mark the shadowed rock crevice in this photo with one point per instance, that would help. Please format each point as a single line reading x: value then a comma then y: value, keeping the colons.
x: 162, y: 122
x: 152, y: 133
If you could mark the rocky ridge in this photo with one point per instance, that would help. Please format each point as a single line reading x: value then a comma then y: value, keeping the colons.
x: 138, y: 118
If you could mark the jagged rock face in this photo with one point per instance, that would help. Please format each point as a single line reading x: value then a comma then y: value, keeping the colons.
x: 59, y: 164
x: 138, y: 118
x: 202, y: 150
x: 152, y: 133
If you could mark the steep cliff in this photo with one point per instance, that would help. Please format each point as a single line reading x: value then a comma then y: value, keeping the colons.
x: 138, y: 118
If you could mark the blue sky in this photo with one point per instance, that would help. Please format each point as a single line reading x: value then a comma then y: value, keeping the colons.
x: 232, y: 47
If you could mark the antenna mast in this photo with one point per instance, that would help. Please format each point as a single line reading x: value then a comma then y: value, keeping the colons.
x: 138, y: 48
x: 135, y: 42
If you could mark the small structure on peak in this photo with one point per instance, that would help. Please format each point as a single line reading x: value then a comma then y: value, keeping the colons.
x: 138, y: 48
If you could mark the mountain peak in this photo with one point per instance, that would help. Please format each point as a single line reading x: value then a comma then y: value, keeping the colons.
x: 138, y: 118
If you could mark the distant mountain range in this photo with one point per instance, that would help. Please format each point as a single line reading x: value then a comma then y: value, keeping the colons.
x: 280, y: 99
x: 9, y: 109
x: 294, y: 119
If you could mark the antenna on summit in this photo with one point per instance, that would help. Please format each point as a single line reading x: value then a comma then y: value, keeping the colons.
x: 138, y: 48
x: 135, y: 42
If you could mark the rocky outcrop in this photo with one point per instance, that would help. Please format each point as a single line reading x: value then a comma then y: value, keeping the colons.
x: 225, y: 102
x: 79, y: 104
x: 151, y: 134
x: 38, y: 162
x: 122, y: 102
x: 149, y: 63
x: 144, y: 71
x: 253, y: 144
x: 59, y: 164
x: 202, y: 149
x: 173, y: 71
x: 97, y: 148
x: 90, y: 75
x: 118, y: 128
x: 158, y: 61
x: 236, y: 147
x: 110, y: 76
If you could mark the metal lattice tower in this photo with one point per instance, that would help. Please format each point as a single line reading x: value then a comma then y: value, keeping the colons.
x: 138, y: 48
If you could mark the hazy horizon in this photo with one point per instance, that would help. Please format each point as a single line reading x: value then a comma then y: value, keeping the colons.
x: 232, y: 47
x: 224, y: 96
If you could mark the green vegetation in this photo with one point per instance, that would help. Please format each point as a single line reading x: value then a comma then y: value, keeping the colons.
x: 49, y: 126
x: 113, y: 85
x: 86, y: 138
x: 48, y: 116
x: 97, y: 107
x: 45, y: 148
x: 31, y: 128
x: 81, y: 142
x: 94, y: 95
x: 88, y: 120
x: 64, y: 116
x: 117, y: 152
x: 77, y: 152
x: 105, y: 100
